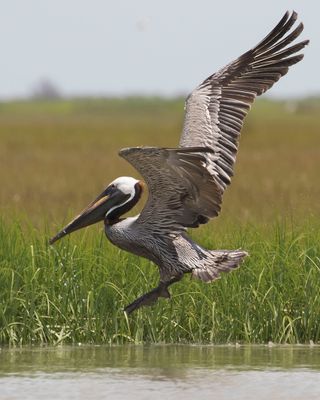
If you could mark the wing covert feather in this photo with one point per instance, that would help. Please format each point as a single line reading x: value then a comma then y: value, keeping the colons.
x: 182, y: 193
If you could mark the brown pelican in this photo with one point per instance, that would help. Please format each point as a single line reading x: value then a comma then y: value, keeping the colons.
x: 186, y: 184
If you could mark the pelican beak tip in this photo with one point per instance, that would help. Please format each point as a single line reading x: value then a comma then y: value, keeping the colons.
x: 57, y: 237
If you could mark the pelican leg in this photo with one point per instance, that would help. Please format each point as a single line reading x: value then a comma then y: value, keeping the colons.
x: 150, y: 298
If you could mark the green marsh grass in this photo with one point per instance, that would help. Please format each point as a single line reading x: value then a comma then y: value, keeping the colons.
x: 75, y: 292
x: 56, y: 156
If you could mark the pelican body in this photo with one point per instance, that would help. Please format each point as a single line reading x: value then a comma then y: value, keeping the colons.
x: 186, y: 184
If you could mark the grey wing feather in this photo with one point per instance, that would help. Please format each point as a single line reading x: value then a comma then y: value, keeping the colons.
x: 215, y: 110
x: 182, y: 193
x: 186, y: 185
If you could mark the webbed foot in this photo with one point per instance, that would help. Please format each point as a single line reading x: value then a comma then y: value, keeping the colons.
x: 150, y: 298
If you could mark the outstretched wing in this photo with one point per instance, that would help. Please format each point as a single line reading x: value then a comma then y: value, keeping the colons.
x: 182, y: 193
x: 186, y: 185
x: 215, y: 110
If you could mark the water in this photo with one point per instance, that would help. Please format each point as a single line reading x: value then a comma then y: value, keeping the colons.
x: 161, y: 372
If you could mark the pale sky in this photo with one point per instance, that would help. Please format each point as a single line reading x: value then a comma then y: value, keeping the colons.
x: 119, y: 47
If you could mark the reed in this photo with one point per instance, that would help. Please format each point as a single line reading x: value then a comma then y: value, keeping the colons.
x: 75, y: 292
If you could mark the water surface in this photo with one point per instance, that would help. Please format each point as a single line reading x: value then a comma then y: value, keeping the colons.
x: 161, y: 372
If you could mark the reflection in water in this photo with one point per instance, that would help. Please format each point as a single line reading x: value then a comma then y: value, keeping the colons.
x: 166, y: 359
x: 138, y: 372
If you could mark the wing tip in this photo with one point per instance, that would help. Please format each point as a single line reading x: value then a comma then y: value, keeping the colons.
x: 127, y: 150
x: 123, y: 152
x: 305, y: 42
x: 294, y: 14
x: 280, y: 30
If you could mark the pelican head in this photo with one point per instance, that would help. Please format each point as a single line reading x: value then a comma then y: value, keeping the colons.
x: 119, y: 197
